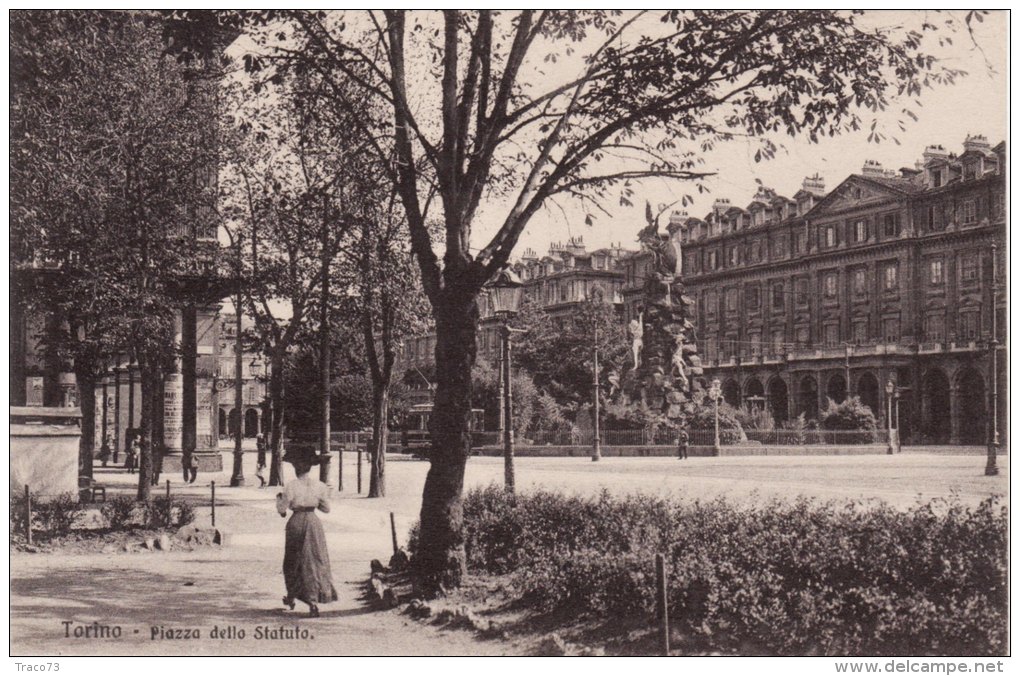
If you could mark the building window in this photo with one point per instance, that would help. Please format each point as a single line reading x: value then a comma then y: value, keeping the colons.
x: 860, y: 230
x: 731, y: 300
x: 935, y: 217
x: 829, y: 285
x: 969, y: 268
x: 711, y: 302
x: 830, y: 236
x: 711, y: 352
x: 713, y: 260
x: 692, y: 262
x: 935, y: 327
x: 803, y: 336
x: 860, y: 277
x: 969, y: 325
x: 778, y: 338
x: 831, y: 334
x: 891, y: 329
x: 998, y: 205
x: 734, y: 255
x: 801, y: 241
x: 778, y: 297
x: 861, y: 331
x: 755, y: 344
x: 753, y: 296
x: 891, y: 225
x: 779, y: 247
x: 802, y: 291
x: 890, y: 277
x: 968, y: 212
x: 936, y: 274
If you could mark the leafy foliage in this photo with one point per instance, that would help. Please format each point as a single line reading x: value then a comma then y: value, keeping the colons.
x: 560, y: 354
x: 850, y: 415
x: 792, y: 578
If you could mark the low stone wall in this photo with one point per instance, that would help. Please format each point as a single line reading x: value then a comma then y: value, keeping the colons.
x: 693, y: 451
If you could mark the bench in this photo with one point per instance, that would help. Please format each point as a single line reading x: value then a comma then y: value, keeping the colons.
x: 91, y: 489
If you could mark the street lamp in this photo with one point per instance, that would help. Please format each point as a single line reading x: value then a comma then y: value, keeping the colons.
x: 505, y: 291
x: 890, y: 389
x: 596, y: 450
x: 991, y: 466
x: 715, y: 392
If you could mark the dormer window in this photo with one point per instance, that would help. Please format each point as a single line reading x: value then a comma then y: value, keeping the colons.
x: 936, y: 178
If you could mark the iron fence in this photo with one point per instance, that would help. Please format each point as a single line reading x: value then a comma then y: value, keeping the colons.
x: 700, y: 437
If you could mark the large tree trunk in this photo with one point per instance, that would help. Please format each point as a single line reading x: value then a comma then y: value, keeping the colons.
x: 85, y: 379
x: 145, y: 462
x: 380, y: 432
x: 276, y: 392
x: 158, y: 424
x: 439, y: 563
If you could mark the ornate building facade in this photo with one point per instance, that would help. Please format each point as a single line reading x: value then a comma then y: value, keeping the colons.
x: 886, y: 282
x: 558, y: 282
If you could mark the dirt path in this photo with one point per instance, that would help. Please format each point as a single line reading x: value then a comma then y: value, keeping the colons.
x: 236, y: 587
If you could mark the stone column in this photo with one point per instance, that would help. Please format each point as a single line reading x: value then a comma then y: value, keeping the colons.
x: 173, y: 402
x: 189, y: 394
x: 954, y: 414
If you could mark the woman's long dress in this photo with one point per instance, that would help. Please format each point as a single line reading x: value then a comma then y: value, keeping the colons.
x: 306, y: 560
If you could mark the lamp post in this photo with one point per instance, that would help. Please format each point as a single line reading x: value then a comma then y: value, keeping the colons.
x: 890, y: 389
x: 991, y: 466
x: 237, y: 475
x: 715, y: 392
x: 596, y: 450
x: 505, y: 291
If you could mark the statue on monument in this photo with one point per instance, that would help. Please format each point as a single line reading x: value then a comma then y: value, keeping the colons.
x: 637, y: 332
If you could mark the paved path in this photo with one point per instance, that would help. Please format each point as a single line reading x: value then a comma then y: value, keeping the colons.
x: 241, y: 585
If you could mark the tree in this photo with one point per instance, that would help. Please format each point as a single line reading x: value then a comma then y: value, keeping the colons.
x: 110, y: 143
x: 389, y: 305
x: 559, y: 355
x: 634, y: 95
x: 295, y: 189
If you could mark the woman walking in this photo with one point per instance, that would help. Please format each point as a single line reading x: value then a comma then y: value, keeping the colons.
x: 306, y: 559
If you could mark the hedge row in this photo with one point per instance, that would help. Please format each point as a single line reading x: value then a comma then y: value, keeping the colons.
x: 62, y: 514
x: 802, y: 577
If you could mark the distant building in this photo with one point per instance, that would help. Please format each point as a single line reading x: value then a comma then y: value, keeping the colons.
x: 559, y: 282
x: 885, y: 278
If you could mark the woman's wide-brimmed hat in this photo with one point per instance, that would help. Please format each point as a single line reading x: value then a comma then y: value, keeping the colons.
x: 301, y: 455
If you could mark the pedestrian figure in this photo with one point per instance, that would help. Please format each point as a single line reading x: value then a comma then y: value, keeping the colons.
x: 192, y: 469
x: 306, y: 570
x: 683, y: 440
x: 116, y: 452
x: 260, y: 445
x: 260, y: 472
x: 104, y: 452
x: 133, y: 451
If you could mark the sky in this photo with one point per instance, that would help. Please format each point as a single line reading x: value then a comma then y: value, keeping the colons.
x: 975, y: 104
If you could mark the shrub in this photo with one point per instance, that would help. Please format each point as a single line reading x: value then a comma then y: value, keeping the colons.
x: 165, y: 512
x: 800, y: 577
x: 850, y: 416
x: 702, y: 417
x: 118, y: 512
x: 753, y: 417
x: 56, y: 516
x: 798, y: 427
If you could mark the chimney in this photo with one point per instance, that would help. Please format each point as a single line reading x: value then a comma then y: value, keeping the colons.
x: 976, y: 142
x: 677, y: 218
x: 814, y: 185
x: 529, y: 255
x: 720, y: 207
x: 575, y: 246
x: 872, y: 168
x: 934, y: 152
